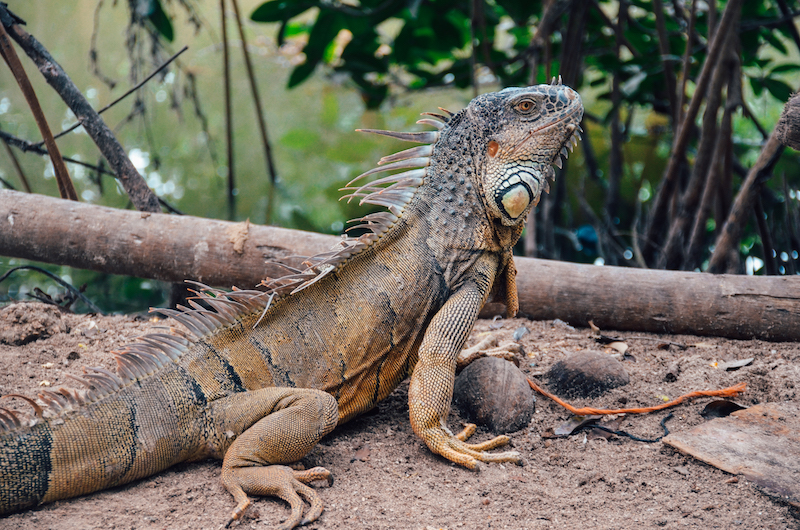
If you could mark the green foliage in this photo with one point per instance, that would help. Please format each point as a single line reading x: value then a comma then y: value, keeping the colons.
x: 159, y: 19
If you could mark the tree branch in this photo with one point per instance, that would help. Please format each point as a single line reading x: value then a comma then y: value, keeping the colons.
x: 65, y: 186
x: 142, y: 197
x: 678, y: 152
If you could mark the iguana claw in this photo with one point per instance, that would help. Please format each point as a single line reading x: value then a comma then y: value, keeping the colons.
x: 282, y: 482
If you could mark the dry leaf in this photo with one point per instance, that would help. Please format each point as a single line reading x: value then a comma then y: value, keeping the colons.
x: 735, y: 365
x: 593, y: 327
x: 720, y: 408
x: 619, y: 346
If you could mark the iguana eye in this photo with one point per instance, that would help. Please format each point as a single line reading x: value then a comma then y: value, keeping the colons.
x: 526, y: 106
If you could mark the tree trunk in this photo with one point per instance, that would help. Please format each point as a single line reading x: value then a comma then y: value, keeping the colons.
x: 220, y: 253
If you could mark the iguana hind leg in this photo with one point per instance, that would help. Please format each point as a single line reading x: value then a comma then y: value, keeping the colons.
x: 291, y: 423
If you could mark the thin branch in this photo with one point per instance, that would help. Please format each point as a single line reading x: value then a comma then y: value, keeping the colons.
x: 615, y: 157
x: 732, y: 231
x: 766, y: 238
x: 770, y: 24
x: 687, y: 60
x: 226, y: 74
x: 123, y: 96
x: 607, y: 21
x: 20, y: 173
x: 749, y: 114
x: 93, y: 49
x: 55, y: 278
x: 667, y: 64
x: 473, y: 60
x: 7, y: 184
x: 65, y: 186
x: 672, y: 255
x: 260, y: 119
x: 26, y: 146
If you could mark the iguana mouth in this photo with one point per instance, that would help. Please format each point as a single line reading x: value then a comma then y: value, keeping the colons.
x: 570, y: 141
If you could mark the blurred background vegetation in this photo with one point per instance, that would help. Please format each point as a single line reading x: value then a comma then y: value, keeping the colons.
x: 324, y: 68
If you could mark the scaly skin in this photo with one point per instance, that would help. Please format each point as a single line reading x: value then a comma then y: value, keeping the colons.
x: 258, y: 381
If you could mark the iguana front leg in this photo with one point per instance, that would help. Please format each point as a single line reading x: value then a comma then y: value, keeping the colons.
x: 431, y: 389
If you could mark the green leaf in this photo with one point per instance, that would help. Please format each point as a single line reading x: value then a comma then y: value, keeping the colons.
x: 322, y: 34
x: 775, y: 42
x: 301, y: 73
x: 280, y: 10
x: 160, y: 20
x: 756, y: 83
x: 779, y: 90
x: 781, y: 68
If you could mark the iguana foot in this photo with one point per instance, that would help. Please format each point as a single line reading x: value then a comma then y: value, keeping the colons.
x: 455, y: 448
x: 278, y: 481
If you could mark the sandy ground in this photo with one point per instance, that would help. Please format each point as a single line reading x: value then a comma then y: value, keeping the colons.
x: 387, y: 479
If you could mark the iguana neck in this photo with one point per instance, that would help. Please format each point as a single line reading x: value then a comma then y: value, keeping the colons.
x: 451, y: 198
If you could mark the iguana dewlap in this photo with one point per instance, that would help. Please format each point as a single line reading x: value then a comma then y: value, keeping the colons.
x: 258, y: 378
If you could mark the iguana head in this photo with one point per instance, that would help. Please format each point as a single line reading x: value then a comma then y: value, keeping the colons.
x: 527, y: 130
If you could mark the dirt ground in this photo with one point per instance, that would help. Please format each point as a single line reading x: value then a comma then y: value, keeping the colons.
x: 385, y: 478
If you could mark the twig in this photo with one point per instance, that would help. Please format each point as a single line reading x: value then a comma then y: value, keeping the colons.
x: 20, y: 173
x: 697, y: 238
x: 687, y: 59
x: 769, y: 24
x: 142, y: 197
x: 55, y: 278
x: 7, y: 184
x: 473, y: 59
x: 766, y: 238
x: 65, y: 186
x: 26, y: 146
x: 666, y: 63
x: 226, y: 69
x: 123, y: 96
x: 732, y: 231
x: 607, y: 21
x: 748, y: 113
x: 93, y: 49
x: 615, y: 157
x: 170, y: 207
x: 260, y: 119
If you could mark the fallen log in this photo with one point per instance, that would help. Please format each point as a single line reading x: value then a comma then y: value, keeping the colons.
x: 220, y: 253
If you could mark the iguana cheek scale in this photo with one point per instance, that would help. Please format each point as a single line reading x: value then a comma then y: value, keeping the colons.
x: 257, y: 378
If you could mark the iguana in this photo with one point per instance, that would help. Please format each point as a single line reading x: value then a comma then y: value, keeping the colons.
x: 258, y: 377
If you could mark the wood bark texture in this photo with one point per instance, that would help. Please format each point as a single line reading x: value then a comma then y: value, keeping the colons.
x: 788, y: 127
x: 221, y: 253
